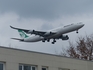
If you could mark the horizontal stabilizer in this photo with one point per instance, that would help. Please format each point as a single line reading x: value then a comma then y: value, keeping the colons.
x: 18, y: 39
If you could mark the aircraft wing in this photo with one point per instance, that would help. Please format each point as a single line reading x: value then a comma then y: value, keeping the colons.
x: 40, y: 33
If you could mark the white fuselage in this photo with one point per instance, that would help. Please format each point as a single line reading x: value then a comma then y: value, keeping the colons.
x: 59, y: 31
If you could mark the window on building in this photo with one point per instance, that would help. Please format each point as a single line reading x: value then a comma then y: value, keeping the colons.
x: 33, y: 68
x: 20, y: 67
x: 1, y: 66
x: 63, y: 69
x: 44, y: 68
x: 27, y: 67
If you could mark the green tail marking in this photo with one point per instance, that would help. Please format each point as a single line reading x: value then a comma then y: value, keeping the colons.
x: 22, y: 34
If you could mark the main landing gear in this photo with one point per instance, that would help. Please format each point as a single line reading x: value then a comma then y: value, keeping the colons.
x: 43, y: 40
x: 53, y: 41
x: 48, y: 40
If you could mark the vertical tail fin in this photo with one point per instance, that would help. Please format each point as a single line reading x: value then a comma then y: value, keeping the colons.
x: 22, y: 34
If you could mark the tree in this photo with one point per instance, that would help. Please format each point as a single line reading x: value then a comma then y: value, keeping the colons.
x: 83, y: 49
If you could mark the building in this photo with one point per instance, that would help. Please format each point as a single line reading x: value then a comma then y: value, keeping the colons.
x: 16, y: 59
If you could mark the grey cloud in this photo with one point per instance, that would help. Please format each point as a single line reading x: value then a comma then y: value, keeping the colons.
x: 46, y: 26
x: 46, y: 9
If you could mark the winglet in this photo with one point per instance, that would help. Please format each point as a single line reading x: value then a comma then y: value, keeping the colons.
x: 25, y: 30
x: 13, y: 27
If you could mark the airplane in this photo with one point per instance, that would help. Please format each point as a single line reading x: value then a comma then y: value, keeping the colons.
x: 57, y: 33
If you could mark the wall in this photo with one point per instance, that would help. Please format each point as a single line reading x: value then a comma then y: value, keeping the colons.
x: 13, y: 57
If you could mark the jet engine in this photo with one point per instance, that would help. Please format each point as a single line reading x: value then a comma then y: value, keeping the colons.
x: 31, y: 31
x: 48, y: 33
x: 65, y: 37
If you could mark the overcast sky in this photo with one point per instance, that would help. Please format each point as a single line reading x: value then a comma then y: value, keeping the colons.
x: 43, y: 15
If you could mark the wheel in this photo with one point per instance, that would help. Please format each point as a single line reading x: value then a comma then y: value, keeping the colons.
x: 43, y: 40
x: 77, y: 32
x: 53, y: 42
x: 48, y: 40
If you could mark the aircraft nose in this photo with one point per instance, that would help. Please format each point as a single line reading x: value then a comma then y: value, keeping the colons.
x: 82, y: 25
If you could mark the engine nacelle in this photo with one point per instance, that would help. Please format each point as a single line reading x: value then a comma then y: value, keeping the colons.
x: 31, y: 31
x: 48, y: 33
x: 65, y: 37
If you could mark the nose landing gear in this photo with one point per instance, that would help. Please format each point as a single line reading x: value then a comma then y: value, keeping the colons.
x: 77, y: 31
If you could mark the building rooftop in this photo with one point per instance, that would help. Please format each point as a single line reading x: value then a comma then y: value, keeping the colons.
x: 40, y: 53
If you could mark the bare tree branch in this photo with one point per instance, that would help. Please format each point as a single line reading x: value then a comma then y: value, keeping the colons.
x: 82, y: 50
